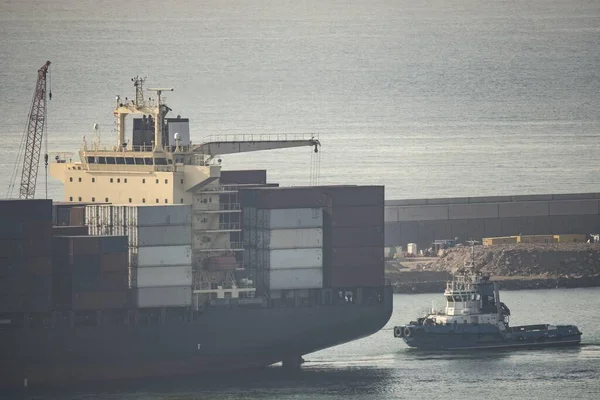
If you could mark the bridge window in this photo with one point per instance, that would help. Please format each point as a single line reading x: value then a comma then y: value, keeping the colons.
x: 181, y: 201
x: 139, y: 161
x: 450, y: 299
x: 110, y: 160
x: 182, y: 181
x: 129, y: 161
x: 101, y: 160
x: 79, y: 179
x: 148, y: 161
x: 120, y: 160
x: 160, y: 161
x: 91, y: 160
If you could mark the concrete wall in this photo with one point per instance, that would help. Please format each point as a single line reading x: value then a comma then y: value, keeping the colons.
x: 422, y: 221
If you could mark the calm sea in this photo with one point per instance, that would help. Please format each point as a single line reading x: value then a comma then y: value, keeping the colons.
x: 430, y: 98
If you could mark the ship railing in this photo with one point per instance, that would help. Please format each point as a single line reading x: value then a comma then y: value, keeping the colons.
x: 259, y: 137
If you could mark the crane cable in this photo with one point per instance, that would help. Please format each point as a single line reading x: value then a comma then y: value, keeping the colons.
x: 45, y: 130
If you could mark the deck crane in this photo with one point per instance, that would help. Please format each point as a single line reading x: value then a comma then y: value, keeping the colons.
x: 35, y: 132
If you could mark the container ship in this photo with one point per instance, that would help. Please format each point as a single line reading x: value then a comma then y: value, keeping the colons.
x: 159, y: 263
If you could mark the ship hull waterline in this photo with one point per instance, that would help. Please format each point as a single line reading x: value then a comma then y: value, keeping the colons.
x: 219, y: 340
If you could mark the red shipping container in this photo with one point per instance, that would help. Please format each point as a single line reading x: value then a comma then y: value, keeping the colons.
x: 114, y: 262
x: 99, y: 300
x: 364, y: 276
x: 77, y: 216
x: 343, y: 257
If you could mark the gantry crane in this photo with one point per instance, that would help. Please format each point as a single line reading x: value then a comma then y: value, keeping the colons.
x: 35, y: 133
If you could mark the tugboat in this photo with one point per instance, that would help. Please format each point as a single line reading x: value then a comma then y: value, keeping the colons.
x: 475, y: 318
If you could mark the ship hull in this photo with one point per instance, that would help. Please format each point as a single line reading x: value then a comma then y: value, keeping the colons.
x: 219, y: 339
x: 486, y: 337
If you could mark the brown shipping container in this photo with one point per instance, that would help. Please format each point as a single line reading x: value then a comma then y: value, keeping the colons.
x: 357, y: 216
x: 79, y: 245
x: 343, y: 257
x: 358, y: 236
x: 355, y: 196
x: 70, y: 230
x: 77, y: 216
x: 363, y: 276
x: 99, y: 300
x: 114, y: 262
x: 256, y: 176
x: 277, y: 198
x: 35, y: 302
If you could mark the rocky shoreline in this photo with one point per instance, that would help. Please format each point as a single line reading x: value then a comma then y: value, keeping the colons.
x: 514, y: 267
x: 416, y: 287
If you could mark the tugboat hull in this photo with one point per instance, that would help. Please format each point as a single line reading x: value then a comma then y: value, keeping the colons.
x: 475, y: 337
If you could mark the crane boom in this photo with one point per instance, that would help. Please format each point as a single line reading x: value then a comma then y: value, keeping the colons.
x: 35, y: 132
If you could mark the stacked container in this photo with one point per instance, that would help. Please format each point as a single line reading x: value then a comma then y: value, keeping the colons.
x: 354, y: 237
x: 160, y: 249
x: 68, y: 214
x: 283, y: 237
x: 26, y: 255
x: 90, y: 272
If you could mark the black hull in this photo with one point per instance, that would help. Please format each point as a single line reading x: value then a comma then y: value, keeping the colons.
x: 220, y: 339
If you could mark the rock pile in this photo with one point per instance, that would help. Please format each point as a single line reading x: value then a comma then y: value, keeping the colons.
x: 552, y: 260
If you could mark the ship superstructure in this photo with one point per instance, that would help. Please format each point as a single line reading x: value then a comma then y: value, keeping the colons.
x: 159, y: 164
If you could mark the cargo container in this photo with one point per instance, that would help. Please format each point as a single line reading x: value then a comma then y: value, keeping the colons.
x: 69, y: 213
x: 258, y: 176
x: 31, y: 265
x: 98, y: 300
x: 275, y: 198
x: 290, y: 238
x: 289, y: 218
x: 114, y: 262
x: 153, y: 256
x: 361, y: 276
x: 499, y: 240
x: 100, y: 282
x: 570, y: 238
x: 114, y: 244
x: 298, y: 278
x: 24, y: 283
x: 411, y: 248
x: 358, y: 236
x: 70, y: 230
x: 356, y: 256
x: 291, y: 258
x: 357, y: 216
x: 28, y: 210
x: 355, y: 196
x: 160, y: 236
x: 25, y: 229
x: 24, y: 248
x: 32, y: 302
x: 162, y: 276
x: 172, y: 214
x: 173, y: 296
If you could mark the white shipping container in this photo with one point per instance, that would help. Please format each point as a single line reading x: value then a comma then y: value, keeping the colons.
x: 293, y: 258
x: 150, y: 215
x: 290, y: 238
x: 173, y: 296
x: 163, y: 276
x: 155, y: 256
x: 160, y: 235
x: 305, y: 278
x: 411, y: 248
x: 290, y: 218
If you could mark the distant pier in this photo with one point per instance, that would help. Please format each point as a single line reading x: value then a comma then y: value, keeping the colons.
x: 422, y: 221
